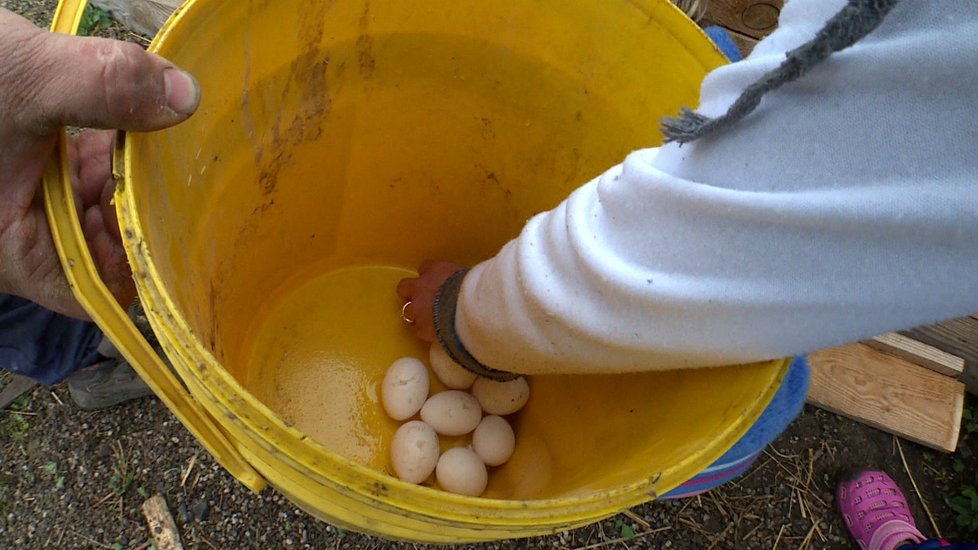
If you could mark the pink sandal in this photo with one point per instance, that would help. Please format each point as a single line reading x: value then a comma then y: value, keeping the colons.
x: 875, y: 511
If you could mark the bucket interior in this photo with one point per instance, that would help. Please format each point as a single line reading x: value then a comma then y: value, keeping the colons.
x: 339, y: 144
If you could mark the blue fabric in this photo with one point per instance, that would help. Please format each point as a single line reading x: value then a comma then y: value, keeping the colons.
x: 938, y: 544
x: 784, y: 407
x: 722, y: 39
x: 44, y: 345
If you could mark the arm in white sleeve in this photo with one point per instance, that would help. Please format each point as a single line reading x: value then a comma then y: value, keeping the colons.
x: 845, y: 206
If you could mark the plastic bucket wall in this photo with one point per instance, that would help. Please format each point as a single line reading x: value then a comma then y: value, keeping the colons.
x: 340, y: 143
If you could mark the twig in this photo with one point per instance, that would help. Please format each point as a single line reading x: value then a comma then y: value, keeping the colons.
x: 612, y: 542
x: 811, y: 467
x: 89, y: 539
x: 916, y: 490
x: 23, y: 413
x: 637, y: 519
x: 694, y: 526
x: 56, y: 398
x: 190, y: 467
x: 756, y: 467
x: 810, y: 493
x: 807, y: 540
x: 780, y: 464
x: 139, y: 37
x: 751, y: 532
x: 817, y: 528
x: 720, y: 536
x: 777, y: 540
x: 779, y: 453
x: 103, y: 501
x: 62, y: 535
x: 716, y: 503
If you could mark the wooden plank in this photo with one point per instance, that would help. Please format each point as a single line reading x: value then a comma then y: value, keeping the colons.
x: 918, y: 353
x: 752, y: 18
x: 161, y: 524
x: 888, y: 393
x: 958, y: 337
x: 143, y: 16
x: 16, y: 387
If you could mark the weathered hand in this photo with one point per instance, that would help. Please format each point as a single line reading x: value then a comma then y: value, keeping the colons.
x: 421, y: 293
x: 48, y: 81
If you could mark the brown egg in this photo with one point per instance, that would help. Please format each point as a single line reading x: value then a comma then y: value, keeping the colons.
x: 405, y: 388
x: 452, y: 412
x: 450, y: 373
x: 493, y: 440
x: 461, y: 471
x: 501, y: 398
x: 414, y: 451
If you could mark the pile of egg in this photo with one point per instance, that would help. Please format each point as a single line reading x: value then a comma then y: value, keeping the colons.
x: 457, y: 411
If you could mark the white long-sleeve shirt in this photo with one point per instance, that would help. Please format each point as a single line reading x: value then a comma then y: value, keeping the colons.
x: 845, y: 206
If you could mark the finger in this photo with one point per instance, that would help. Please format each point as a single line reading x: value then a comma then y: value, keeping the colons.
x: 94, y: 153
x: 406, y: 288
x: 63, y: 80
x: 91, y: 154
x: 110, y: 258
x: 427, y: 266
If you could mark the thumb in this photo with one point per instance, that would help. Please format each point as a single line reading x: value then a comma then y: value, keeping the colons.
x: 99, y: 83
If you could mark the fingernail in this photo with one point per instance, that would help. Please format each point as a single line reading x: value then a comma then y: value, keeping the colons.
x: 182, y: 91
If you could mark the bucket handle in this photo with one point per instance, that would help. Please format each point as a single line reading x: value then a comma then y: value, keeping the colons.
x: 94, y: 296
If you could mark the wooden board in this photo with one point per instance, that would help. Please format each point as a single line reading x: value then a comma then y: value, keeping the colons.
x: 958, y: 337
x: 918, y: 353
x: 161, y: 524
x: 888, y: 393
x: 752, y: 18
x: 143, y: 16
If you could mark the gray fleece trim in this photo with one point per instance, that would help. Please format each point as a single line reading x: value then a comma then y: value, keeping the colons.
x: 443, y: 314
x: 852, y: 23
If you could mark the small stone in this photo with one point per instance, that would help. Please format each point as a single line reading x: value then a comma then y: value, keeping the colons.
x: 201, y: 509
x: 182, y: 513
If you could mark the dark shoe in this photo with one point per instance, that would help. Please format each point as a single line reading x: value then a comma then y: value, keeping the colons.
x: 106, y: 384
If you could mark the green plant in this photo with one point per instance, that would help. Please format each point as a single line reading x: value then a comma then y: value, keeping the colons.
x: 625, y: 529
x: 93, y: 20
x: 965, y: 505
x: 969, y: 420
x: 50, y: 469
x: 17, y: 425
x: 122, y: 475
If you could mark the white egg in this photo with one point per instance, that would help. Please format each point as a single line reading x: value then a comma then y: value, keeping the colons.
x: 414, y: 451
x: 501, y: 397
x: 461, y: 471
x: 405, y: 388
x: 452, y: 412
x: 450, y: 373
x: 493, y: 440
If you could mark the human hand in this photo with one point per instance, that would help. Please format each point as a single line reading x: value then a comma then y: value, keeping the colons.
x: 48, y: 81
x: 420, y: 294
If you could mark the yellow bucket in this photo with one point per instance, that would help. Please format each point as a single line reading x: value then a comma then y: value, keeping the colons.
x: 337, y: 145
